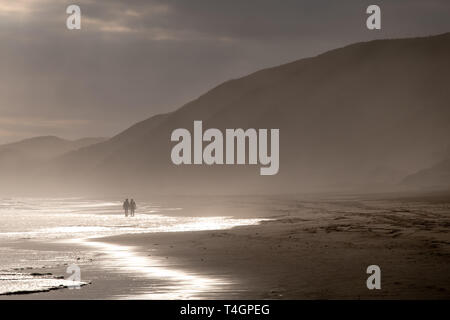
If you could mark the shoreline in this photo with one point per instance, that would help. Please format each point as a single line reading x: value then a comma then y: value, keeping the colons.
x: 316, y: 251
x: 274, y: 261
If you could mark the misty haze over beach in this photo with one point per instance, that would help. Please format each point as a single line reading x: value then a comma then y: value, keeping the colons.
x: 347, y: 164
x: 368, y: 117
x: 368, y: 138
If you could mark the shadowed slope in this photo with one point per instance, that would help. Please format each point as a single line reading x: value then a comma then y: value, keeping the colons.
x: 342, y: 115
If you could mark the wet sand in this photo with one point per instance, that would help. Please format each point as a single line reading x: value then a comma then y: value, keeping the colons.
x: 312, y: 250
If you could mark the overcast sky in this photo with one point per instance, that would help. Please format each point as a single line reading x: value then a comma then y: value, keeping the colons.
x: 133, y: 59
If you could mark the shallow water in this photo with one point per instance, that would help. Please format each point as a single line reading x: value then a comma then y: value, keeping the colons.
x: 76, y: 220
x: 15, y: 283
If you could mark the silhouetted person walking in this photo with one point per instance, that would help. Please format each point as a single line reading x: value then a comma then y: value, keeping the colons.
x: 126, y: 206
x: 132, y: 207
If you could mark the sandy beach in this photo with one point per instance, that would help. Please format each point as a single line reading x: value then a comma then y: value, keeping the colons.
x: 224, y: 150
x: 308, y: 250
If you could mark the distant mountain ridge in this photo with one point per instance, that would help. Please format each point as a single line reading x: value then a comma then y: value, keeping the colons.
x: 20, y: 161
x: 437, y: 177
x: 47, y: 147
x: 367, y: 112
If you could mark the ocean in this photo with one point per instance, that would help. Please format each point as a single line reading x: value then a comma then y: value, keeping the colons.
x: 28, y: 224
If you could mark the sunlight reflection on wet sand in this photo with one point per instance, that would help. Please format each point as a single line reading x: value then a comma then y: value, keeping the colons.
x: 178, y: 284
x: 84, y: 221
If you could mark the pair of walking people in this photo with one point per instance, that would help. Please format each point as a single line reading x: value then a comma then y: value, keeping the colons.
x: 129, y: 206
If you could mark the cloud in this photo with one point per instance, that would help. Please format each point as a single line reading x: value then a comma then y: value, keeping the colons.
x: 17, y: 7
x: 135, y: 58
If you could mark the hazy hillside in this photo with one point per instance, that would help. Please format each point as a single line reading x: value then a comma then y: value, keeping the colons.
x: 20, y: 159
x: 436, y: 177
x: 354, y: 118
x: 46, y: 147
